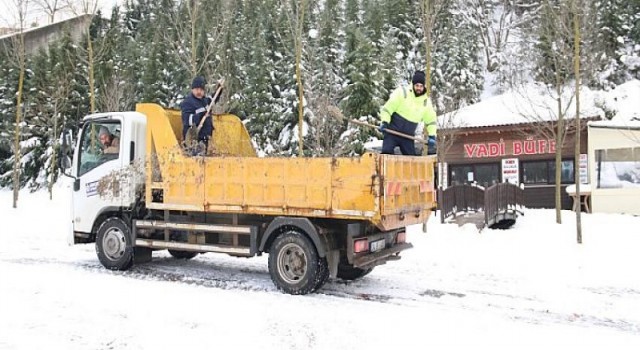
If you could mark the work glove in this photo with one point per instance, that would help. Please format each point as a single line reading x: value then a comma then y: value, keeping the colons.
x: 431, y: 145
x: 219, y: 84
x: 383, y: 127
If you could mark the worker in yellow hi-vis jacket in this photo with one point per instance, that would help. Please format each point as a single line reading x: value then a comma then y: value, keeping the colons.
x: 403, y: 111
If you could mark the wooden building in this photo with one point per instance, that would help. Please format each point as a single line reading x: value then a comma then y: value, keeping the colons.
x: 493, y: 141
x: 514, y: 153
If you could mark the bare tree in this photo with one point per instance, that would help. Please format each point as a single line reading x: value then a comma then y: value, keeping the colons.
x: 449, y: 126
x: 576, y: 60
x: 496, y: 21
x: 51, y: 7
x: 196, y: 33
x: 557, y: 48
x: 118, y: 94
x: 295, y: 11
x: 58, y: 95
x: 327, y: 121
x: 549, y: 119
x: 430, y: 11
x: 87, y: 7
x: 549, y: 122
x: 17, y: 57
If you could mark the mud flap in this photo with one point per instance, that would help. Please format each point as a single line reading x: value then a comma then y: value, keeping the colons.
x: 141, y: 255
x: 333, y: 258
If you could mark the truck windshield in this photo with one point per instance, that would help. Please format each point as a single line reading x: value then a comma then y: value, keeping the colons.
x: 100, y: 143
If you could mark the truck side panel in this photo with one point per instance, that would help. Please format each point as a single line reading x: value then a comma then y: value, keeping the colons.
x: 278, y: 183
x: 235, y: 181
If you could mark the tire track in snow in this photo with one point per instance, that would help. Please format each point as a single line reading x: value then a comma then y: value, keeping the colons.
x: 205, y: 273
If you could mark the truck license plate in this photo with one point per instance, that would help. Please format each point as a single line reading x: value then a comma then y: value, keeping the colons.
x: 377, y: 245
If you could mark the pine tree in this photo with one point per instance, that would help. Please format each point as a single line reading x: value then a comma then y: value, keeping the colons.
x: 8, y: 87
x: 618, y: 33
x: 612, y: 22
x: 403, y: 20
x: 237, y: 59
x: 457, y: 73
x: 256, y: 101
x: 362, y: 98
x: 553, y: 64
x: 324, y: 81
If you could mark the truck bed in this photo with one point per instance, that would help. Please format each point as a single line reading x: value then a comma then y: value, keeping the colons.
x: 387, y: 190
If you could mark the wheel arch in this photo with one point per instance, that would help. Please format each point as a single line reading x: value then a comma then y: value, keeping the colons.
x: 304, y: 225
x: 104, y: 214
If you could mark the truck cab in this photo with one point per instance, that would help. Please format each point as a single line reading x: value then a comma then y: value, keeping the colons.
x: 92, y: 165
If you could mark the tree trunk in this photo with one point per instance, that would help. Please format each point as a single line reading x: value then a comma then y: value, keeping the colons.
x: 427, y: 39
x: 576, y: 66
x: 298, y: 41
x: 55, y: 153
x: 17, y: 161
x: 558, y: 161
x: 194, y: 47
x: 300, y: 101
x: 92, y: 95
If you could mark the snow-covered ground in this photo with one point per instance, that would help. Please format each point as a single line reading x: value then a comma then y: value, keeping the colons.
x: 528, y: 287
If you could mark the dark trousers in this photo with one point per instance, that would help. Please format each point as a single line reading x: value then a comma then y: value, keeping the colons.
x: 389, y: 143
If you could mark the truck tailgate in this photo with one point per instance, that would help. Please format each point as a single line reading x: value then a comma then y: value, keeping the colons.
x: 407, y: 193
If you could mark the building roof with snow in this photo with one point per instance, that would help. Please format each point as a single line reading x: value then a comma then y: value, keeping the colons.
x: 534, y: 104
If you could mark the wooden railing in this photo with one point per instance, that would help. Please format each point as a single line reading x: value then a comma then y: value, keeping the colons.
x: 460, y: 198
x: 501, y: 202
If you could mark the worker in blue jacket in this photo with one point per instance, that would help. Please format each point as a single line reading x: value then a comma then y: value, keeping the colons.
x: 194, y: 108
x: 406, y: 107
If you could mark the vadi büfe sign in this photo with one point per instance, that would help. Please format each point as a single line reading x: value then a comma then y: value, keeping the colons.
x: 512, y: 148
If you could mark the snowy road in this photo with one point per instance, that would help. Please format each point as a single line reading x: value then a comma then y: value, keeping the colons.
x: 530, y: 287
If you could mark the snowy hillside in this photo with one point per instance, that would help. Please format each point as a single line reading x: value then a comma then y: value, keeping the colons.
x: 531, y: 287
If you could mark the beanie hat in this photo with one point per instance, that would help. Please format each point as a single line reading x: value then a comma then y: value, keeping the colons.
x: 419, y: 78
x: 103, y: 131
x: 198, y: 82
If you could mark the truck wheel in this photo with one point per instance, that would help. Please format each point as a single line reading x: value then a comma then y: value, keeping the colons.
x: 181, y: 254
x: 113, y: 245
x: 350, y: 273
x: 294, y: 265
x: 323, y: 266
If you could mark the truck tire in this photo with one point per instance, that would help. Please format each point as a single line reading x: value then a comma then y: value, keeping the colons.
x: 181, y: 254
x: 323, y: 265
x: 349, y: 273
x: 294, y: 264
x: 113, y: 244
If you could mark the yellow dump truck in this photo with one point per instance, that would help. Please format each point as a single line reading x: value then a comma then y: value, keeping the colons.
x: 316, y: 217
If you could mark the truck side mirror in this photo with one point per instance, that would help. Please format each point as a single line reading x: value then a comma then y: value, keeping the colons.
x: 64, y: 159
x: 65, y: 162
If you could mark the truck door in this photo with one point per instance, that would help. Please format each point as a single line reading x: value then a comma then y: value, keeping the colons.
x: 98, y: 159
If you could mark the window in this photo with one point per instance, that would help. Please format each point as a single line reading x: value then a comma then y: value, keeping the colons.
x: 566, y: 171
x: 461, y: 174
x: 487, y: 174
x: 618, y: 168
x: 535, y: 172
x: 479, y: 173
x: 544, y: 172
x: 100, y: 143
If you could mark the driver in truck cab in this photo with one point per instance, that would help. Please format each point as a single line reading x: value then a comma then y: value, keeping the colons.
x: 110, y: 143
